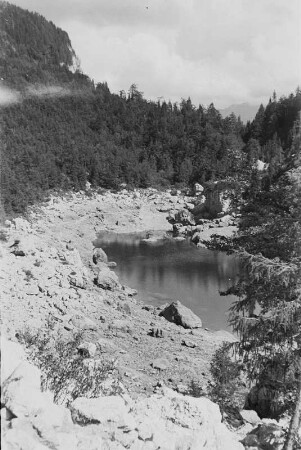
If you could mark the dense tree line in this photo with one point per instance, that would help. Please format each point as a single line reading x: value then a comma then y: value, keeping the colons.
x: 86, y: 133
x: 107, y: 139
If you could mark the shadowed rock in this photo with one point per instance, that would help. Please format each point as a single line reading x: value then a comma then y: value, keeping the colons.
x: 181, y: 315
x: 99, y: 256
x: 107, y: 279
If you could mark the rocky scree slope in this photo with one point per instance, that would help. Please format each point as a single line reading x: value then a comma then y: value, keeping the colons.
x: 46, y: 281
x: 166, y: 420
x: 44, y: 276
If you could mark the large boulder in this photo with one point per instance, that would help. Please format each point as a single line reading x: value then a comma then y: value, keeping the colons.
x: 99, y: 256
x: 22, y: 397
x: 12, y: 354
x: 250, y: 416
x: 174, y: 421
x: 107, y: 279
x: 99, y: 410
x: 181, y: 315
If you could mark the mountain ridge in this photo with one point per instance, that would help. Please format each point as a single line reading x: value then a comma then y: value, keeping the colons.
x: 246, y: 111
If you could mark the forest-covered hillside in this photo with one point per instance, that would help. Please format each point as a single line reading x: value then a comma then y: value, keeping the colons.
x: 86, y: 133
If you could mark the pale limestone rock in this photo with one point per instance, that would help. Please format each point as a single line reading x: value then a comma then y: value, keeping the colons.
x: 181, y: 315
x: 181, y: 422
x: 122, y: 325
x: 198, y: 189
x: 77, y: 279
x: 22, y: 396
x: 99, y: 256
x: 12, y: 354
x: 21, y: 224
x: 32, y: 290
x: 160, y: 363
x: 107, y: 279
x: 20, y: 439
x: 189, y: 343
x: 250, y: 416
x: 82, y: 322
x: 101, y: 409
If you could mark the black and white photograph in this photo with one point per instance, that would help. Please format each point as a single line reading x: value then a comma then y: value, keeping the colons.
x: 150, y: 224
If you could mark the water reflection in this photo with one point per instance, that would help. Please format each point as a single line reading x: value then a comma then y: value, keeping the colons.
x: 167, y: 270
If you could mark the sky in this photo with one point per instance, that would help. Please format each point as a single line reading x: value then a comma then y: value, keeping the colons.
x: 221, y: 51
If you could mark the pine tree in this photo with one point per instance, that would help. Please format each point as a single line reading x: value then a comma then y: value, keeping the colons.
x: 267, y: 316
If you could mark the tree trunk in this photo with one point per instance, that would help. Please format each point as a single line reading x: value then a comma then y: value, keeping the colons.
x: 294, y: 425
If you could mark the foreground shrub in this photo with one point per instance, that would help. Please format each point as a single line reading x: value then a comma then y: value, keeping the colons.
x: 227, y: 385
x: 64, y: 371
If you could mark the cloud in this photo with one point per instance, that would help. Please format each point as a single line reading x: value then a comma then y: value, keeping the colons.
x: 218, y: 50
x: 46, y: 91
x: 8, y: 96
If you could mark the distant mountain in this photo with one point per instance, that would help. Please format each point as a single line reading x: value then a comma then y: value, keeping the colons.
x: 244, y: 110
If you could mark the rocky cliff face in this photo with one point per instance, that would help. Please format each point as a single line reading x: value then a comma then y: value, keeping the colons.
x: 32, y: 49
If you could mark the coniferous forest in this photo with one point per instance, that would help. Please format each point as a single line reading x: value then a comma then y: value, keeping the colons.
x: 61, y: 138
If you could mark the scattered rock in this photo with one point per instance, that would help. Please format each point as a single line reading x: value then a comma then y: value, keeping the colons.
x: 32, y: 290
x: 82, y: 322
x: 250, y: 416
x: 99, y: 256
x: 184, y: 217
x: 112, y: 264
x: 182, y: 388
x: 87, y: 349
x: 125, y: 309
x: 181, y: 315
x: 107, y: 279
x: 77, y: 279
x: 198, y: 189
x: 121, y: 325
x: 18, y: 252
x: 70, y: 246
x: 188, y: 343
x: 160, y: 363
x: 129, y: 291
x: 156, y: 332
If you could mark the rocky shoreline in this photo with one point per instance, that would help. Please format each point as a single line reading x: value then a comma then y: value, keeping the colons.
x: 51, y: 275
x: 56, y: 277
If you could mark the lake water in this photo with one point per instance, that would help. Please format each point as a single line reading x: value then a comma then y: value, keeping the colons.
x: 168, y: 270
